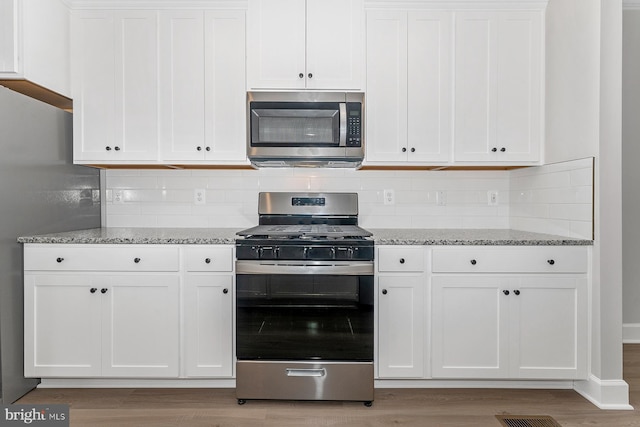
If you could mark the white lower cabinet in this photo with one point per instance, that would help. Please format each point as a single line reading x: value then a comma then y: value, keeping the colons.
x: 102, y: 311
x: 509, y: 326
x: 208, y: 311
x: 101, y: 325
x: 401, y: 288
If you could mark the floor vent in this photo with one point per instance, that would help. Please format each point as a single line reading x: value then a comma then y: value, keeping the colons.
x: 527, y: 421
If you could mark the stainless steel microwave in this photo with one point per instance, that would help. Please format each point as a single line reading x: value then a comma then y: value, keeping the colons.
x: 312, y: 129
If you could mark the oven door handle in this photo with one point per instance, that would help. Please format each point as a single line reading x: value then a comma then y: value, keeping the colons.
x: 297, y: 372
x: 291, y: 267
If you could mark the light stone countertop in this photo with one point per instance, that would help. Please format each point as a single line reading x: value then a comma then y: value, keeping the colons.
x: 387, y: 236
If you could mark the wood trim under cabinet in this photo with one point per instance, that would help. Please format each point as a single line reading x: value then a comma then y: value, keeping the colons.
x: 40, y: 93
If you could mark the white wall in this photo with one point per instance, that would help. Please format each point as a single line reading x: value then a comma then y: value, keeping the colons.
x: 631, y: 172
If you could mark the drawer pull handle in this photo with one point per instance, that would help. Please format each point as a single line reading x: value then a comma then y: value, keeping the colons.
x: 59, y: 259
x: 517, y: 292
x: 93, y: 290
x: 506, y: 292
x: 384, y: 292
x: 103, y: 290
x: 551, y: 262
x: 474, y: 262
x: 292, y: 372
x: 401, y: 260
x: 208, y: 260
x: 136, y: 260
x: 225, y: 291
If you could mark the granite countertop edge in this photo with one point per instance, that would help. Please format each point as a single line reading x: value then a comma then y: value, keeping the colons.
x: 388, y: 236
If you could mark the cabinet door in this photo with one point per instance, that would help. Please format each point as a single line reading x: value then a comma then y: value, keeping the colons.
x: 93, y: 85
x: 429, y: 88
x: 276, y: 44
x: 469, y: 327
x: 334, y: 54
x: 62, y: 326
x: 136, y: 85
x: 225, y: 93
x: 498, y: 83
x: 182, y: 85
x: 548, y: 321
x: 208, y: 324
x: 114, y: 73
x: 519, y: 80
x: 140, y: 326
x: 401, y: 332
x: 386, y: 109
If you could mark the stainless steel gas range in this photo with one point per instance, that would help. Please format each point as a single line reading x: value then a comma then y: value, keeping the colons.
x: 304, y: 301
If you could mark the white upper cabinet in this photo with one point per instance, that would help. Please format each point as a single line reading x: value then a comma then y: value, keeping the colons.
x: 409, y: 92
x: 305, y: 44
x: 202, y: 86
x: 115, y: 79
x: 34, y: 43
x: 498, y: 86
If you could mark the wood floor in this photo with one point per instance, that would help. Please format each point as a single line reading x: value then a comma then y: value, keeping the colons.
x: 392, y: 407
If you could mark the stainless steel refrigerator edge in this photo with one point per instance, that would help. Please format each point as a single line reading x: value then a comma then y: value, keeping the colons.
x: 41, y: 191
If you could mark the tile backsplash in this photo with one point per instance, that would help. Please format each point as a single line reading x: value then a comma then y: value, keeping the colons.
x: 422, y: 199
x: 555, y: 198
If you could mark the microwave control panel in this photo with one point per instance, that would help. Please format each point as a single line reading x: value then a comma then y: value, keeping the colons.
x: 354, y: 124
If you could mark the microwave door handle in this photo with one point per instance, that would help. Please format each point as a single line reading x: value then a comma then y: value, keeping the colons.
x: 343, y: 124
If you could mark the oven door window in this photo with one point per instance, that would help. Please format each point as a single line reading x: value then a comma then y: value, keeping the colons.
x: 295, y: 124
x: 304, y: 317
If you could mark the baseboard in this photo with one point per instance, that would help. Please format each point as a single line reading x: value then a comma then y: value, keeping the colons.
x: 631, y: 333
x: 136, y: 383
x: 605, y: 394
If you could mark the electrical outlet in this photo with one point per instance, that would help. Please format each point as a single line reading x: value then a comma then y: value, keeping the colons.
x: 492, y: 198
x: 199, y: 196
x: 389, y: 197
x: 118, y: 198
x: 441, y: 198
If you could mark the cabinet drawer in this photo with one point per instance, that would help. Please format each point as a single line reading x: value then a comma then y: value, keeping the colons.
x: 401, y: 259
x: 101, y: 258
x: 209, y: 258
x: 548, y: 259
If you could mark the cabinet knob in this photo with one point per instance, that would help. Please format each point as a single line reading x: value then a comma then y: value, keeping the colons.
x: 104, y: 290
x: 208, y: 148
x: 503, y: 149
x: 384, y: 292
x: 404, y: 149
x: 225, y: 291
x: 301, y: 75
x: 107, y: 148
x: 517, y: 292
x: 93, y: 290
x: 310, y: 75
x: 494, y: 149
x: 506, y: 292
x: 401, y: 260
x: 59, y: 259
x: 199, y: 148
x: 413, y: 150
x: 116, y: 148
x: 207, y: 260
x: 551, y: 262
x: 473, y: 262
x: 136, y: 260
